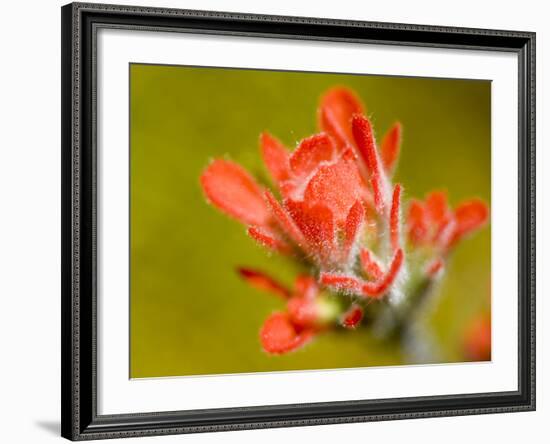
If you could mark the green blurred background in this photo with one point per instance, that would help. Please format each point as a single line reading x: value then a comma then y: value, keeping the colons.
x: 190, y: 313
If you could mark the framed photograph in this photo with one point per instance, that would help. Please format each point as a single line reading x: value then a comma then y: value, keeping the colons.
x: 282, y: 221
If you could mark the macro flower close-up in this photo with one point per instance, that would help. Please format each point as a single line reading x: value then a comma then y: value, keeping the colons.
x: 371, y: 255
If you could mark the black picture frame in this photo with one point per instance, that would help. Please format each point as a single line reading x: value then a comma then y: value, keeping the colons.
x: 78, y: 334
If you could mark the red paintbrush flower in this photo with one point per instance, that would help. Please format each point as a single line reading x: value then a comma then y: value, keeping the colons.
x: 307, y: 311
x: 433, y: 224
x: 339, y: 212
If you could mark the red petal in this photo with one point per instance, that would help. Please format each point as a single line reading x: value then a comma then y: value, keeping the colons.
x: 275, y: 157
x: 352, y: 317
x: 261, y: 281
x: 437, y: 207
x: 269, y: 239
x: 337, y: 186
x: 395, y: 223
x: 231, y: 189
x: 303, y: 312
x: 368, y: 289
x: 381, y: 287
x: 337, y: 107
x: 285, y: 221
x: 417, y: 222
x: 341, y: 282
x: 391, y: 144
x: 317, y: 225
x: 364, y: 137
x: 470, y: 216
x: 352, y: 229
x: 305, y: 287
x: 371, y: 265
x: 310, y: 153
x: 278, y: 335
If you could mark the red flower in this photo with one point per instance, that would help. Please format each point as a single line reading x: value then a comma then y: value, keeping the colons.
x: 325, y: 187
x: 339, y: 212
x: 435, y: 225
x: 307, y: 313
x: 432, y: 222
